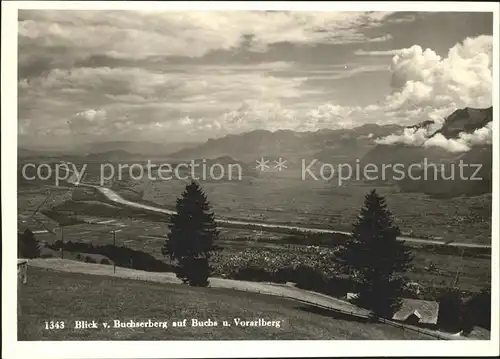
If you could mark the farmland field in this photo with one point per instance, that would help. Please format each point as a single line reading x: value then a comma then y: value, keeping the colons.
x: 147, y: 236
x: 281, y: 198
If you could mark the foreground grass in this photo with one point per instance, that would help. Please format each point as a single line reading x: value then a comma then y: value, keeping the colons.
x: 60, y: 296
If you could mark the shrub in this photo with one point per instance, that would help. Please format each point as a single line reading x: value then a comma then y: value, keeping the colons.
x: 317, y: 239
x: 27, y: 245
x: 310, y: 267
x: 121, y: 256
x: 89, y: 259
x: 309, y: 278
x: 477, y: 311
x: 339, y: 286
x: 252, y: 273
x: 285, y: 274
x: 46, y: 253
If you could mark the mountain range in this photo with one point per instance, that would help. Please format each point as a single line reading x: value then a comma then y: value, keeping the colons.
x: 359, y: 145
x: 333, y: 146
x: 324, y: 145
x: 107, y: 150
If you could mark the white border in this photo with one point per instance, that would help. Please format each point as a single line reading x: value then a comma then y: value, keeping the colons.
x: 225, y: 349
x: 436, y: 6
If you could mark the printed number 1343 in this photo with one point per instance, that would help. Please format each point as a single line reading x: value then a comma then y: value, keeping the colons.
x: 54, y: 325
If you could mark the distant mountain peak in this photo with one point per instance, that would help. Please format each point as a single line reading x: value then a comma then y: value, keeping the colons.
x: 466, y: 119
x: 112, y: 154
x: 290, y: 144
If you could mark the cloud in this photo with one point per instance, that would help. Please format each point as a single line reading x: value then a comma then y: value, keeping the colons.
x: 428, y: 87
x: 426, y: 137
x: 344, y: 72
x: 273, y: 115
x: 331, y: 116
x: 131, y: 101
x: 141, y: 85
x: 378, y: 52
x: 480, y: 136
x: 132, y: 34
x: 425, y: 87
x: 87, y: 121
x: 210, y: 99
x: 160, y: 74
x: 464, y: 142
x: 23, y: 127
x: 92, y: 115
x: 245, y: 97
x: 464, y: 78
x: 370, y: 135
x: 403, y: 19
x: 380, y: 38
x: 409, y: 136
x: 139, y: 95
x: 451, y: 145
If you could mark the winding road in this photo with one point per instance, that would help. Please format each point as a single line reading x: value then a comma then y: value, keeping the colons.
x: 116, y: 198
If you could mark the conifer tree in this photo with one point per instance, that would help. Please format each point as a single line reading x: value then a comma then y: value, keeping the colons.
x: 27, y: 245
x: 192, y: 234
x: 450, y: 316
x: 376, y: 258
x: 477, y: 311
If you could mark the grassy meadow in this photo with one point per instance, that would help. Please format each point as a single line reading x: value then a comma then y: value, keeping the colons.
x: 68, y: 297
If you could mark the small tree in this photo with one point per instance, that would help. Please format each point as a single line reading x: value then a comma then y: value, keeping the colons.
x: 192, y: 234
x: 477, y: 311
x: 450, y: 316
x: 27, y: 245
x: 376, y: 257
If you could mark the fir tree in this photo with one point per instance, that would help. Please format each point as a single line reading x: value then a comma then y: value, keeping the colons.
x: 477, y: 311
x: 27, y: 245
x: 192, y: 234
x: 376, y: 258
x: 450, y: 315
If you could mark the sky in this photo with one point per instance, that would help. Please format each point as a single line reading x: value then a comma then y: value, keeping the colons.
x: 86, y: 76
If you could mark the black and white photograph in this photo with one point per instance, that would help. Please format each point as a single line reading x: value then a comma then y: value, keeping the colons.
x: 224, y: 174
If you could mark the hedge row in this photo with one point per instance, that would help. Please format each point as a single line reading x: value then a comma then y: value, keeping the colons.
x: 121, y: 256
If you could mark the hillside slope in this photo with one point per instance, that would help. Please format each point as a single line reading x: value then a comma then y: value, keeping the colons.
x: 107, y: 299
